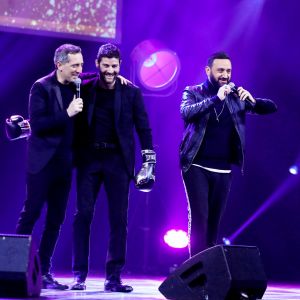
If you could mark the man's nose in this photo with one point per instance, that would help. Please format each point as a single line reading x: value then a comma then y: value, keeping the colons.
x: 110, y: 69
x: 225, y: 74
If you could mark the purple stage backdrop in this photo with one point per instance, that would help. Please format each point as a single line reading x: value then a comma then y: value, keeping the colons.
x: 262, y: 37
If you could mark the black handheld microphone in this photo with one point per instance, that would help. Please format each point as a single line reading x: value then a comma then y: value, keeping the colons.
x: 234, y: 89
x: 77, y: 82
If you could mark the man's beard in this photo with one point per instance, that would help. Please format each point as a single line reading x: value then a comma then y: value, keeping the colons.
x: 216, y: 83
x: 103, y: 79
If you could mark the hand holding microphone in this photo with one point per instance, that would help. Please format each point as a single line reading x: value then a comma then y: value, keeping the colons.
x: 223, y: 91
x: 76, y: 104
x: 243, y: 94
x: 75, y: 107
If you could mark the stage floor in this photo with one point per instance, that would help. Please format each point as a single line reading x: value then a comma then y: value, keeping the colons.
x: 147, y: 288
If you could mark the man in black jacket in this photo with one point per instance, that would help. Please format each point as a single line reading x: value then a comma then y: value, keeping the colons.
x: 104, y: 147
x: 52, y: 106
x: 214, y: 139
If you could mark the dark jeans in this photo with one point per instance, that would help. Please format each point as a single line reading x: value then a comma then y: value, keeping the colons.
x: 101, y: 166
x: 207, y: 194
x: 51, y: 185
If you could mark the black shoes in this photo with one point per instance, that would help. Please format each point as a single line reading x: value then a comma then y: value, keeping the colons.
x: 115, y: 285
x: 110, y: 285
x: 79, y: 282
x: 48, y: 282
x: 78, y: 286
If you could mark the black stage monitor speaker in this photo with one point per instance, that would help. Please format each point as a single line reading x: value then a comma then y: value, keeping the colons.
x: 20, y: 274
x: 218, y: 273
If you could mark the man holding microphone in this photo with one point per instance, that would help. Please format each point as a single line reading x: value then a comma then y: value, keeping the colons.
x: 214, y: 138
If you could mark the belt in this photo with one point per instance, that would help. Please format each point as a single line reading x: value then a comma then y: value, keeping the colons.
x: 104, y: 145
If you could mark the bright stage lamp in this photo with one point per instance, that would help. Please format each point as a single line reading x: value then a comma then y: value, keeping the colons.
x: 156, y: 67
x: 176, y: 238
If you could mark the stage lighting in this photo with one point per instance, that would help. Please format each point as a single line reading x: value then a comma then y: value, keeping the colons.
x: 155, y: 66
x: 226, y: 241
x: 176, y: 238
x: 293, y: 170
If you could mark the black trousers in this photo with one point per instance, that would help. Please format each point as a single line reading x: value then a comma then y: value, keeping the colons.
x: 51, y: 186
x: 207, y: 194
x: 101, y: 166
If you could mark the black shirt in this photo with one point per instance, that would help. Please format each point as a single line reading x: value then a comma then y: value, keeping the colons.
x: 215, y: 151
x: 104, y: 129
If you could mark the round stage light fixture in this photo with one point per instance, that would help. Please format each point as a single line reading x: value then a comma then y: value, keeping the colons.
x: 156, y: 66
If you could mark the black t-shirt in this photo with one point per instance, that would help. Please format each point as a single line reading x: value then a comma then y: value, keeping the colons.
x: 104, y: 129
x: 215, y: 151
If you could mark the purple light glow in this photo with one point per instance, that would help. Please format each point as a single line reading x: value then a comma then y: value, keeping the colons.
x: 176, y: 238
x: 282, y: 191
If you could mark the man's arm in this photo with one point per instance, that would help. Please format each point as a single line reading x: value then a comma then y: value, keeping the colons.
x: 263, y: 107
x: 145, y: 178
x: 257, y: 105
x: 141, y: 121
x: 42, y: 117
x: 194, y: 104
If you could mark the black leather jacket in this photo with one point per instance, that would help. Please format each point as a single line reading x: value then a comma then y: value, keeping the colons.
x: 197, y: 103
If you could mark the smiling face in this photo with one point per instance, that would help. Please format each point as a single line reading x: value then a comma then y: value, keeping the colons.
x: 109, y: 69
x: 70, y: 70
x: 220, y: 72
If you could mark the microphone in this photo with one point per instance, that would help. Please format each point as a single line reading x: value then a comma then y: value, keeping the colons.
x: 77, y: 82
x: 235, y: 91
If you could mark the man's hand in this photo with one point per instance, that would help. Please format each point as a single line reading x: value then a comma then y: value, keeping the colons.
x: 223, y: 91
x: 124, y: 80
x: 244, y: 94
x: 75, y: 107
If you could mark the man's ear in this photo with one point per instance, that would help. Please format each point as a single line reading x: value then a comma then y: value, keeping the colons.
x: 58, y: 66
x: 207, y: 70
x: 97, y: 63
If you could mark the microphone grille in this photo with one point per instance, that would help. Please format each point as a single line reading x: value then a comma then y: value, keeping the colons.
x: 77, y: 81
x: 231, y: 84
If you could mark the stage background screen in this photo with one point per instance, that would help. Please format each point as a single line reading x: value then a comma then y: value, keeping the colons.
x: 83, y: 19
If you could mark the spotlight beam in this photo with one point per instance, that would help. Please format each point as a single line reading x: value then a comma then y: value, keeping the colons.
x: 285, y: 187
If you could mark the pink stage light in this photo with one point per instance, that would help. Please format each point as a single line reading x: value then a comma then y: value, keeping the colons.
x: 176, y: 238
x: 156, y: 66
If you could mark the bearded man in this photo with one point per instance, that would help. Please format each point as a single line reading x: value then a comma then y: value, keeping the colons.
x: 214, y: 138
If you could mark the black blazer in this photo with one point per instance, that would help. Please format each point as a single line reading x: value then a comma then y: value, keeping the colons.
x: 48, y: 119
x: 129, y: 113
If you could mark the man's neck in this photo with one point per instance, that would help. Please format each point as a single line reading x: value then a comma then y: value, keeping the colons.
x: 60, y: 79
x: 213, y: 88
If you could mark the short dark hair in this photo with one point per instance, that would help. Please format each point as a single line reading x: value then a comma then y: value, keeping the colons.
x: 61, y: 53
x: 217, y: 55
x: 108, y: 50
